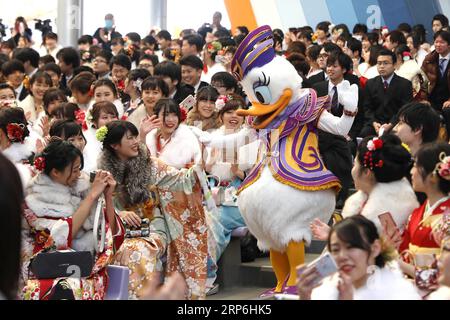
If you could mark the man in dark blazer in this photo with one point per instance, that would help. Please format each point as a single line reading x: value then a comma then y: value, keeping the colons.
x: 171, y: 73
x: 328, y: 50
x: 337, y: 150
x: 384, y: 96
x: 191, y: 72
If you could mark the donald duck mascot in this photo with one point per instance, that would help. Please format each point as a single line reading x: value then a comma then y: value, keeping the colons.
x: 289, y: 186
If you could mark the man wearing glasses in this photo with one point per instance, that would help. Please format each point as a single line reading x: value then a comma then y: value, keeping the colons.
x: 384, y: 96
x: 101, y: 65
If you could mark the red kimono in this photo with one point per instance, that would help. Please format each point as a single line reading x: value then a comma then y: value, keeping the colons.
x: 418, y: 235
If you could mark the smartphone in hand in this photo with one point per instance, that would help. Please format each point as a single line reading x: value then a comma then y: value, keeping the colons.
x: 324, y: 265
x: 92, y: 176
x: 388, y: 222
x: 188, y: 103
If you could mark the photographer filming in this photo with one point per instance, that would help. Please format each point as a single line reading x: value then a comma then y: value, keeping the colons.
x: 2, y: 30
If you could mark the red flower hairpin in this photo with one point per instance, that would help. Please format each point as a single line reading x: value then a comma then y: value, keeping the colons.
x: 121, y: 85
x: 443, y: 167
x: 184, y: 114
x: 15, y: 132
x: 39, y: 163
x: 80, y: 118
x: 373, y: 145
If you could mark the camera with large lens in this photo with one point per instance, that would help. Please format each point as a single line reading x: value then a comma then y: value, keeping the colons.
x: 2, y: 30
x: 43, y: 26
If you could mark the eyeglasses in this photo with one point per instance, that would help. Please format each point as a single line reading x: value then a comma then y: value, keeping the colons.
x: 384, y: 63
x: 99, y: 61
x: 145, y: 65
x: 323, y: 55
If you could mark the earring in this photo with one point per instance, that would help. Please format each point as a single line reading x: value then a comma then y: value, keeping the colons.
x: 372, y: 269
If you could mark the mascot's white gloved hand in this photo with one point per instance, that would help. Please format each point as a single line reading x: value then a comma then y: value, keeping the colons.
x: 348, y: 95
x: 202, y: 136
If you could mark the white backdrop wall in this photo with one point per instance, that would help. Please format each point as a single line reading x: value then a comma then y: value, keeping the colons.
x: 131, y: 15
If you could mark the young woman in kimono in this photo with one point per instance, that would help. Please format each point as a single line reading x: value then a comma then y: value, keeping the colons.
x: 431, y: 175
x: 170, y: 199
x: 59, y: 214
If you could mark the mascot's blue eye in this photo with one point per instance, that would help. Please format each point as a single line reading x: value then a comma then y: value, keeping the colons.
x: 263, y: 94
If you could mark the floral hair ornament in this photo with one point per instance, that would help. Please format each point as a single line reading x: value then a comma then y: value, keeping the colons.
x: 221, y: 102
x: 184, y: 114
x: 26, y: 82
x: 372, y: 146
x: 39, y: 163
x: 91, y: 91
x: 214, y: 46
x: 443, y: 167
x: 138, y: 84
x: 15, y: 132
x: 101, y: 134
x: 120, y: 85
x: 80, y: 118
x: 406, y: 56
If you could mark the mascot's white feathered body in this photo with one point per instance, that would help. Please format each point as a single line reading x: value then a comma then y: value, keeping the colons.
x: 289, y: 186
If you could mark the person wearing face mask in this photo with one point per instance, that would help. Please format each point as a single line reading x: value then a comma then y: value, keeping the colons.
x: 366, y: 267
x: 105, y: 34
x: 60, y: 207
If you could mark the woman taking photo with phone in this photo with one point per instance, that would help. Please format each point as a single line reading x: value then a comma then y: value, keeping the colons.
x: 366, y: 268
x: 59, y: 214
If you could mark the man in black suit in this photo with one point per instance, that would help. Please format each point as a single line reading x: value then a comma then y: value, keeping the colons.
x: 191, y: 72
x: 14, y: 72
x: 328, y: 50
x: 384, y: 96
x: 69, y: 60
x: 171, y: 73
x: 337, y: 150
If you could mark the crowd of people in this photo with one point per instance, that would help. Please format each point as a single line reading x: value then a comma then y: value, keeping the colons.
x: 113, y: 124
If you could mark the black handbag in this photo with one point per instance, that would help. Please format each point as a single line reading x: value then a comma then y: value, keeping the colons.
x: 62, y: 264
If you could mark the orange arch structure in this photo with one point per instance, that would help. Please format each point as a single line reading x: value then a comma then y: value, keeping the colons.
x: 241, y: 13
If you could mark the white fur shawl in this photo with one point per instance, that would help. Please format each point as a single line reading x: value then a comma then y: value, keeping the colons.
x: 384, y: 284
x: 396, y: 197
x: 17, y: 153
x: 182, y: 149
x: 47, y: 199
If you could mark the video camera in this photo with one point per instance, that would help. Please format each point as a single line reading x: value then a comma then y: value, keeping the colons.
x: 2, y: 30
x: 43, y: 26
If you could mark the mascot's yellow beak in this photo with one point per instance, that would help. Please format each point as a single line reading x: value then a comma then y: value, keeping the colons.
x: 265, y: 114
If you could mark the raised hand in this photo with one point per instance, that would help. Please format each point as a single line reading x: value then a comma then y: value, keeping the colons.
x: 45, y: 126
x: 320, y: 230
x: 99, y: 185
x: 150, y: 123
x: 348, y: 95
